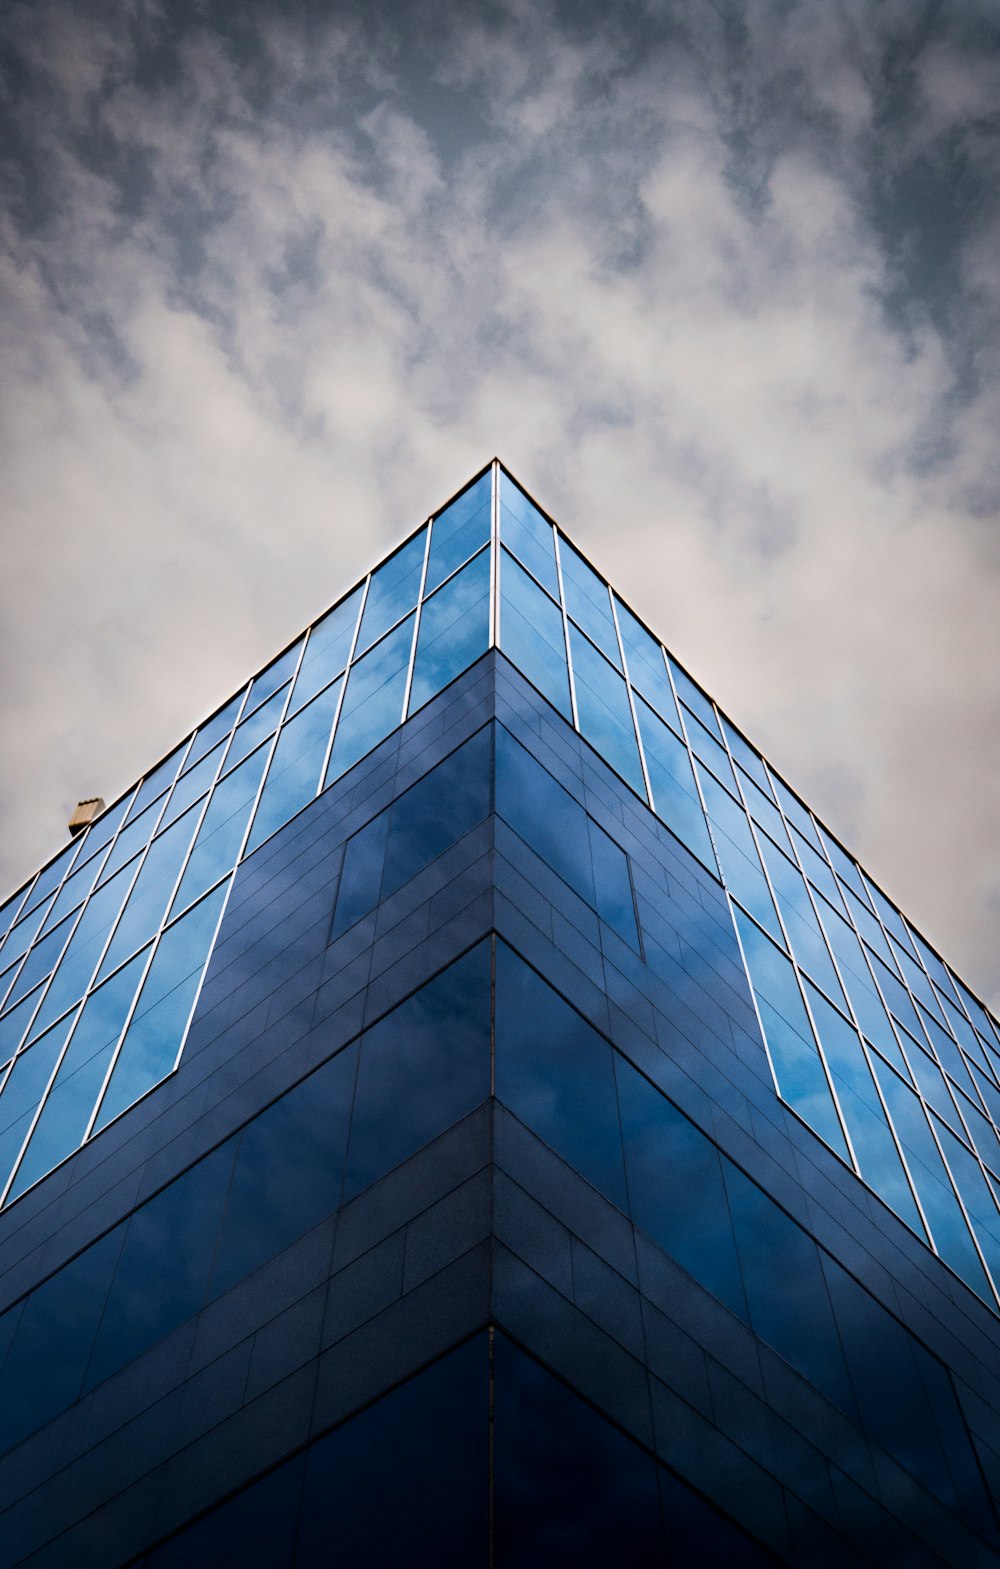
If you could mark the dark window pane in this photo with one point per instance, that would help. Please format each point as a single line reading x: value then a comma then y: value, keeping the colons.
x: 392, y: 591
x: 454, y: 630
x: 612, y: 885
x: 543, y: 814
x: 603, y: 708
x: 675, y: 1186
x: 405, y: 1481
x: 67, y: 1110
x: 326, y: 651
x: 524, y: 531
x: 422, y: 823
x: 163, y: 1270
x: 588, y: 601
x: 255, y: 1529
x: 459, y: 531
x: 556, y: 1073
x: 422, y: 1068
x: 804, y: 931
x: 373, y: 702
x: 700, y: 1537
x: 294, y: 775
x: 738, y: 857
x: 786, y: 1290
x: 48, y: 1355
x: 289, y: 1170
x: 570, y: 1489
x: 157, y: 1028
x: 532, y: 633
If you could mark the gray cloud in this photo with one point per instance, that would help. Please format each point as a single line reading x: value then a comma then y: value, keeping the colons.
x: 718, y: 282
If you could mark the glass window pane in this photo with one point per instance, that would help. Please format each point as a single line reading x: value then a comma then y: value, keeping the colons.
x: 250, y: 732
x: 646, y: 665
x: 45, y: 1365
x: 588, y: 601
x: 795, y: 811
x: 67, y: 1110
x: 804, y: 931
x: 763, y: 811
x: 213, y: 731
x: 153, y: 1039
x: 294, y: 775
x: 524, y: 531
x: 273, y: 678
x: 373, y: 702
x: 676, y: 1188
x: 155, y: 783
x: 786, y: 1290
x: 454, y: 630
x: 22, y: 1091
x: 100, y: 834
x: 326, y: 651
x: 865, y: 1001
x: 150, y: 895
x: 556, y: 1073
x: 163, y: 1268
x: 39, y: 962
x: 710, y: 752
x: 50, y: 877
x: 979, y: 1202
x: 14, y: 1024
x: 745, y: 755
x: 604, y: 712
x: 222, y: 828
x: 392, y: 591
x: 950, y: 1232
x: 738, y: 855
x: 671, y: 779
x: 84, y: 948
x: 133, y: 838
x: 191, y: 786
x: 72, y: 893
x: 532, y: 635
x: 437, y: 811
x: 360, y: 875
x: 544, y: 814
x: 878, y: 1158
x: 459, y: 531
x: 18, y: 943
x: 571, y: 1489
x: 695, y: 698
x: 797, y: 1065
x: 289, y: 1170
x: 422, y: 1068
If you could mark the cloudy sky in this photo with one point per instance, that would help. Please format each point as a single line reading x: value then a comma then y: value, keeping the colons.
x: 718, y: 281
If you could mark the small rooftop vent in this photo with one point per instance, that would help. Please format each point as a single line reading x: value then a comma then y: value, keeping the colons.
x: 84, y: 815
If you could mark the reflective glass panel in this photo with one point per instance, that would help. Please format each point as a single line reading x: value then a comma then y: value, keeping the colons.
x: 294, y: 775
x: 524, y: 531
x: 133, y: 838
x: 159, y: 780
x: 671, y: 779
x: 454, y: 630
x: 422, y: 1068
x: 222, y: 828
x: 746, y: 757
x: 256, y: 728
x: 70, y: 1102
x: 50, y: 877
x: 22, y: 1091
x: 392, y: 591
x: 695, y: 698
x: 191, y: 786
x: 84, y: 948
x: 797, y: 1065
x: 647, y: 668
x: 603, y: 708
x: 213, y: 731
x: 459, y: 531
x: 273, y: 678
x: 326, y: 651
x: 738, y: 856
x: 531, y: 632
x: 73, y: 891
x: 150, y: 895
x: 588, y: 601
x: 373, y: 702
x: 556, y: 1073
x: 153, y: 1039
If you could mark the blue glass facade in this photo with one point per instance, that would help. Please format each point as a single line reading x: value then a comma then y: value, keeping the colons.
x: 465, y: 1067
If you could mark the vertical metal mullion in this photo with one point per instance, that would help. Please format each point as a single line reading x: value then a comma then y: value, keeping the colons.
x: 343, y: 681
x: 416, y: 620
x: 565, y: 617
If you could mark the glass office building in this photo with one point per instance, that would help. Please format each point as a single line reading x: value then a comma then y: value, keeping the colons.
x: 462, y: 1104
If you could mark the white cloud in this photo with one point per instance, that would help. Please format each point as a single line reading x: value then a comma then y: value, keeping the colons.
x: 226, y: 396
